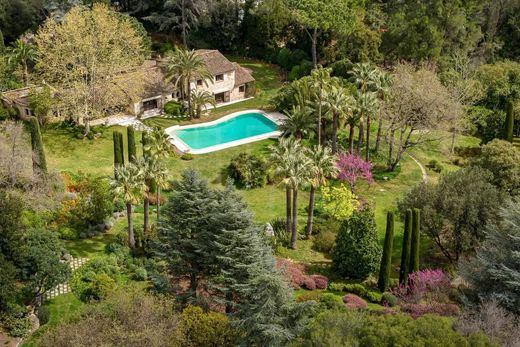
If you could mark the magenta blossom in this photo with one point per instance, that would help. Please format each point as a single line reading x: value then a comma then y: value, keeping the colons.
x: 352, y: 168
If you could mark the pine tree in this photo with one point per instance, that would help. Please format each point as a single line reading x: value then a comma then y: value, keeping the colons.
x: 494, y: 272
x: 510, y: 122
x: 39, y: 161
x: 415, y: 242
x: 185, y: 231
x: 386, y: 260
x: 257, y: 297
x: 405, y: 253
x: 132, y: 151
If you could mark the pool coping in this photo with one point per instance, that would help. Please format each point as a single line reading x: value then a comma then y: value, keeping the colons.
x: 185, y: 148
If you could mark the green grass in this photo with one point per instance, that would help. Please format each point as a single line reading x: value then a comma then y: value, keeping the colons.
x: 62, y: 309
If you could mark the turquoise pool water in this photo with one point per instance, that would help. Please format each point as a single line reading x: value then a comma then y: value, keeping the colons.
x: 237, y: 128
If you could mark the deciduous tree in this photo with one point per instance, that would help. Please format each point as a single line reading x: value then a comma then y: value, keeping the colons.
x: 93, y: 57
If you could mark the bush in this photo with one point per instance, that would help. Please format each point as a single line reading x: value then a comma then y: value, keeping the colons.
x: 67, y: 233
x: 294, y: 272
x: 330, y: 301
x: 248, y: 171
x: 140, y: 274
x: 435, y: 166
x: 94, y: 202
x: 308, y: 283
x: 308, y: 296
x: 281, y: 236
x: 17, y: 326
x: 425, y: 284
x: 320, y: 281
x: 43, y: 315
x: 357, y: 252
x: 362, y: 328
x: 173, y: 108
x: 389, y: 299
x: 206, y: 329
x: 357, y: 289
x: 95, y: 279
x: 187, y: 156
x: 418, y: 310
x: 354, y: 301
x: 324, y: 241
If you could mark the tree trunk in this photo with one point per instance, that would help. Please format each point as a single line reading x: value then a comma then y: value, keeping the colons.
x: 158, y: 196
x: 391, y: 150
x: 146, y: 213
x: 367, y: 145
x: 25, y: 74
x: 310, y: 216
x: 294, y: 231
x: 351, y: 139
x: 319, y: 114
x: 194, y: 283
x: 334, y: 133
x: 379, y: 130
x: 361, y: 135
x: 314, y: 40
x: 131, y: 238
x: 453, y: 135
x: 288, y: 222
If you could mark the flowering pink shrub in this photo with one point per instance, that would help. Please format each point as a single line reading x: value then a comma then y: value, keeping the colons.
x: 321, y: 281
x: 294, y: 272
x: 432, y: 284
x: 417, y: 310
x: 354, y: 301
x: 352, y: 168
x: 309, y: 283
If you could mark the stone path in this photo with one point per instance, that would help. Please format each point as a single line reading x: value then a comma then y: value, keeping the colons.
x: 63, y: 288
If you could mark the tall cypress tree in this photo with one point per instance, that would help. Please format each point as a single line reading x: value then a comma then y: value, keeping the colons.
x: 39, y: 161
x: 405, y: 253
x: 510, y: 122
x: 119, y: 160
x: 132, y: 150
x: 386, y: 260
x: 415, y: 244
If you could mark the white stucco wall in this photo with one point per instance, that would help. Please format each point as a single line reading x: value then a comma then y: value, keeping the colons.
x: 216, y: 87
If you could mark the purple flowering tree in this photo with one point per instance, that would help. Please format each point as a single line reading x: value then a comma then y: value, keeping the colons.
x: 352, y: 168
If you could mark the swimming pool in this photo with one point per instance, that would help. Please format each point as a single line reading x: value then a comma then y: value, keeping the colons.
x: 229, y: 131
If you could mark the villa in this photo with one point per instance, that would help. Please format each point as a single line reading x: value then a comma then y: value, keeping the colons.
x: 230, y: 83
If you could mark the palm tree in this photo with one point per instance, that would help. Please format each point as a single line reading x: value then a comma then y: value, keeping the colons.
x: 322, y: 165
x: 298, y: 174
x: 23, y: 53
x: 298, y: 122
x: 201, y: 99
x: 158, y: 144
x: 339, y: 103
x: 129, y: 184
x: 365, y: 77
x: 320, y: 80
x: 160, y: 177
x: 282, y: 156
x: 365, y: 105
x: 157, y: 147
x: 183, y: 67
x: 382, y: 89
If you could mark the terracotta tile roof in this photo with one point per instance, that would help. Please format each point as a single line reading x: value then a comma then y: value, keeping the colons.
x: 18, y: 96
x: 215, y: 61
x: 242, y: 75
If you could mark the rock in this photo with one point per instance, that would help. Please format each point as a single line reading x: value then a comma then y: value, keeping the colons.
x: 67, y: 257
x: 83, y: 235
x: 70, y: 195
x: 108, y: 225
x: 269, y: 231
x: 385, y: 178
x: 100, y: 227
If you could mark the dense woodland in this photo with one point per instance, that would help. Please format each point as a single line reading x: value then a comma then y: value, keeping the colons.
x: 386, y: 214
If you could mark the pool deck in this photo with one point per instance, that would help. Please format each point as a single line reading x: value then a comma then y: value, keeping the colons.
x: 276, y: 117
